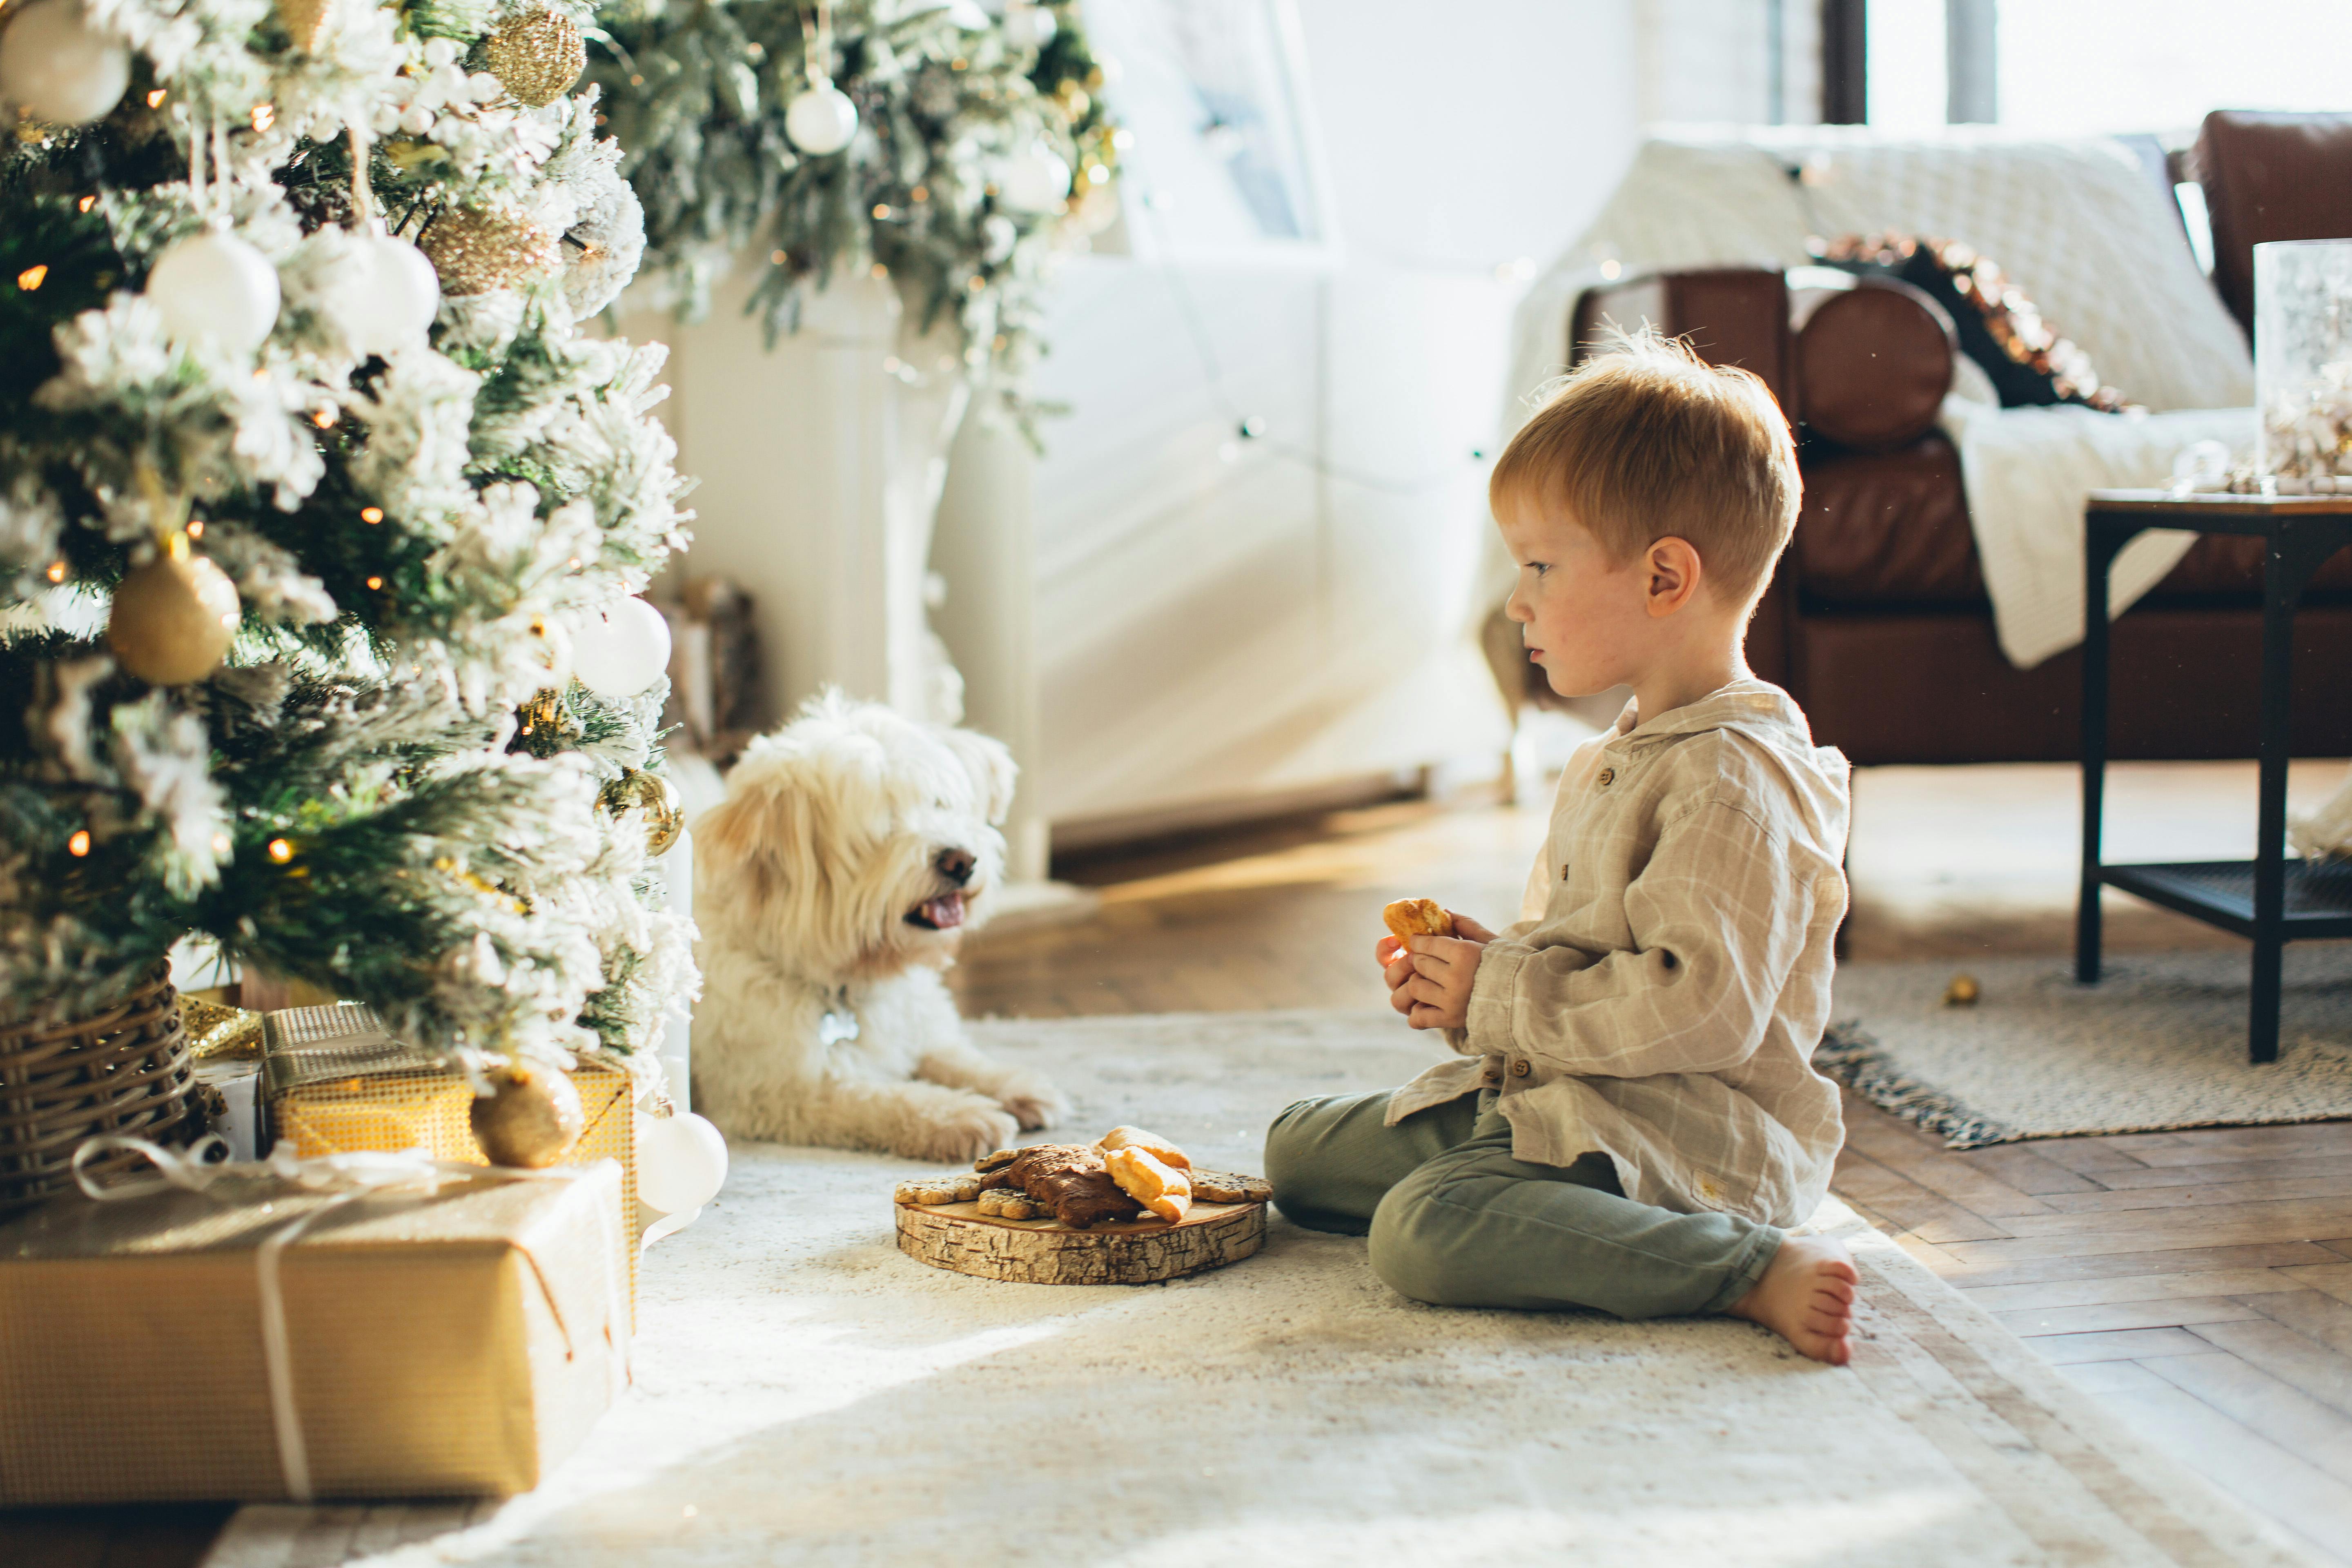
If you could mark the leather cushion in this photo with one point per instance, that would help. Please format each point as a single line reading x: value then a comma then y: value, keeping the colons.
x: 2266, y: 177
x: 1886, y: 528
x: 2023, y: 356
x: 1873, y: 363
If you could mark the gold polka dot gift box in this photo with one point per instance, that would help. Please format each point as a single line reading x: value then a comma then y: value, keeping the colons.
x: 333, y: 1081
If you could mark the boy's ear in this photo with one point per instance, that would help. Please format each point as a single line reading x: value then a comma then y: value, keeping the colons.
x: 1673, y: 569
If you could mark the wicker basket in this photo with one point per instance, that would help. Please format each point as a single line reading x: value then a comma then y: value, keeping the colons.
x: 124, y: 1069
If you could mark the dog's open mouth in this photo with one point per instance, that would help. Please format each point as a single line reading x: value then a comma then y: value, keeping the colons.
x: 942, y: 913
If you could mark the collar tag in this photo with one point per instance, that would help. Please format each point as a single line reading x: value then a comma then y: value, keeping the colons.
x: 835, y: 1027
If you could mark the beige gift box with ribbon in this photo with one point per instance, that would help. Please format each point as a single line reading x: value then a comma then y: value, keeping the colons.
x: 334, y: 1082
x: 365, y: 1326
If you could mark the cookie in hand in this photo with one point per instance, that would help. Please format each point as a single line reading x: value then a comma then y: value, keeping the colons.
x: 1409, y: 918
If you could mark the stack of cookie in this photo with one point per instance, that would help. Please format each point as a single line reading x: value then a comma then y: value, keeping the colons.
x: 1122, y: 1175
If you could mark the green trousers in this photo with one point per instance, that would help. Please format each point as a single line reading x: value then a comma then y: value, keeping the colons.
x: 1456, y: 1222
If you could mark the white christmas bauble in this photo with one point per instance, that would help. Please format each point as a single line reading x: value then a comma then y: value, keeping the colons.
x: 400, y: 297
x: 1034, y: 180
x: 622, y: 650
x: 1029, y: 27
x: 58, y: 67
x: 215, y: 286
x: 681, y: 1161
x: 822, y: 119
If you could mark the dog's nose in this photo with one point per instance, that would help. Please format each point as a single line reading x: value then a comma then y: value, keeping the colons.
x: 955, y: 865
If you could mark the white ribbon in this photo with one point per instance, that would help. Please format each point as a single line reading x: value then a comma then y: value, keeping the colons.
x: 344, y: 1178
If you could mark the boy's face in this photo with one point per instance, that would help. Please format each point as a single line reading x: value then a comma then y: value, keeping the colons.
x: 1584, y: 617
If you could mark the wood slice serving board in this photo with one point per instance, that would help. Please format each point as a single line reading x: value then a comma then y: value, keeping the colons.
x: 1047, y: 1252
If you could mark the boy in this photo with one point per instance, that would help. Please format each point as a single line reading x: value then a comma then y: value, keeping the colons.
x: 1633, y: 1114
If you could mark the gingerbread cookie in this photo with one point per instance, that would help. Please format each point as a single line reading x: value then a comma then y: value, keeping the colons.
x: 1011, y: 1203
x: 927, y: 1191
x: 1222, y: 1187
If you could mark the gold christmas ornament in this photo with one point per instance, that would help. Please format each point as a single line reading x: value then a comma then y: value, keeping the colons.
x: 220, y: 1033
x: 541, y: 709
x: 654, y: 795
x: 475, y: 251
x: 531, y: 1118
x: 1962, y: 992
x: 536, y: 54
x: 174, y: 618
x: 305, y: 22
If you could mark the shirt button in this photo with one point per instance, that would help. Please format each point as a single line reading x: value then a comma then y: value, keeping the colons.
x: 1521, y: 1067
x: 1608, y: 776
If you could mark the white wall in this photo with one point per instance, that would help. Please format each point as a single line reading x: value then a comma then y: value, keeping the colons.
x: 1221, y: 619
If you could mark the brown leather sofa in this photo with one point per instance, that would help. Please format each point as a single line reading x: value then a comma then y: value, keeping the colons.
x: 1877, y: 620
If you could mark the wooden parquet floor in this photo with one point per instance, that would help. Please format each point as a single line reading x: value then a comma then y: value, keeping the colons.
x: 2198, y: 1284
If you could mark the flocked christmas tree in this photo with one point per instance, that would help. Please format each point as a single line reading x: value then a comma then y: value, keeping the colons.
x: 312, y: 495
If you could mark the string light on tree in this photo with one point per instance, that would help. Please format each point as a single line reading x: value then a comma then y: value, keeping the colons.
x: 58, y: 66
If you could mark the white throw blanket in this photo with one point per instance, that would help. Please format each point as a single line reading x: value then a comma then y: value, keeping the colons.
x: 2080, y: 230
x: 2028, y: 470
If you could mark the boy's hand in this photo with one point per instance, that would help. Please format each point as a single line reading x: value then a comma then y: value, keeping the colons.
x: 1430, y: 983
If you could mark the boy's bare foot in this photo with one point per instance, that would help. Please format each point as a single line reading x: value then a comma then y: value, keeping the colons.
x: 1806, y: 1296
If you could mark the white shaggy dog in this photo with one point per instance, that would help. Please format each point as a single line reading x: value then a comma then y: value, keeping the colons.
x: 833, y: 885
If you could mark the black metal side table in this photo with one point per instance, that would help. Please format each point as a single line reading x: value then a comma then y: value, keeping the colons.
x: 2270, y: 898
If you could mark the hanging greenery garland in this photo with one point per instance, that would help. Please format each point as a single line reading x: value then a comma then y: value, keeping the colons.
x: 946, y: 149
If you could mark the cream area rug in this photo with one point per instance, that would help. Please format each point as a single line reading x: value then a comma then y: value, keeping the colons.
x: 807, y: 1395
x: 2159, y: 1043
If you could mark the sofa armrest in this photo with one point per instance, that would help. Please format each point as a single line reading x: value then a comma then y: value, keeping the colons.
x: 2269, y: 177
x: 1732, y: 315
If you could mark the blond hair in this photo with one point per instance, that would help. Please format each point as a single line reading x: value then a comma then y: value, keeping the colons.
x: 1646, y: 441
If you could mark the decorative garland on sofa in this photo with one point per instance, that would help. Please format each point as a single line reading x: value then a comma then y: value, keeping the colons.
x: 2028, y: 363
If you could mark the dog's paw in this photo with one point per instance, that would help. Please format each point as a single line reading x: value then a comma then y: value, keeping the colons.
x: 1034, y: 1102
x: 962, y: 1134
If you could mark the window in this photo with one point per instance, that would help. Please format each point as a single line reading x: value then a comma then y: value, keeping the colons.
x: 2091, y: 66
x: 2074, y: 68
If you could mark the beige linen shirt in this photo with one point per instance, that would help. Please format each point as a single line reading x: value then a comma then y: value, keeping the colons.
x: 1662, y: 995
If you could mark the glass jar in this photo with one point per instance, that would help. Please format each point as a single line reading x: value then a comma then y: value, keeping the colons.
x: 2303, y: 357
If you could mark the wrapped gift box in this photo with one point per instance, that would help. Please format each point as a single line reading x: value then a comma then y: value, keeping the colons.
x: 454, y: 1339
x: 334, y: 1082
